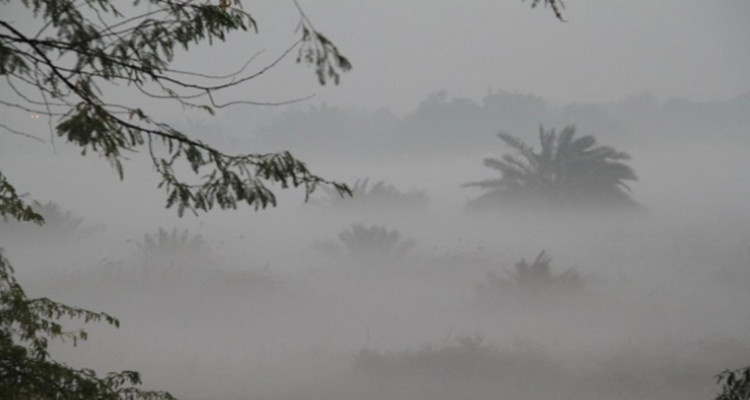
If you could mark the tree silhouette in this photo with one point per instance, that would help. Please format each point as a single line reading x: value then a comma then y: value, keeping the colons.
x: 566, y: 172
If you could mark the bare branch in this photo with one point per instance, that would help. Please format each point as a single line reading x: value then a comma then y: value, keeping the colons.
x: 19, y: 133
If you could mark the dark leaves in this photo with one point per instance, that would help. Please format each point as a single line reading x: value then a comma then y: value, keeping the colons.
x: 27, y: 371
x: 735, y: 384
x: 12, y: 204
x: 235, y: 179
x: 75, y: 55
x: 564, y: 171
x: 317, y: 50
x: 555, y: 5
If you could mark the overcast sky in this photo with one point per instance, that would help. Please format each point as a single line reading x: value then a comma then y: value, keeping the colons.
x: 404, y: 50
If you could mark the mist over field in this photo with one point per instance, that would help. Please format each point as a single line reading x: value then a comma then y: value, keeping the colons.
x: 405, y: 291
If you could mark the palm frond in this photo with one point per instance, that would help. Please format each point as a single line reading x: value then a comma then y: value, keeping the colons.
x: 487, y: 184
x: 565, y: 138
x: 547, y: 143
x: 566, y: 170
x: 581, y: 144
x: 526, y: 151
x: 607, y: 153
x: 508, y: 171
x: 509, y: 159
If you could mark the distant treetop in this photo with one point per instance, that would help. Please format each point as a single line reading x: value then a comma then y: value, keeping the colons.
x: 567, y: 172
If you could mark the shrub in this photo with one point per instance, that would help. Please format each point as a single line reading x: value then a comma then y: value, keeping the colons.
x: 58, y: 223
x: 534, y: 279
x: 467, y: 358
x: 368, y: 243
x: 170, y: 251
x: 380, y: 196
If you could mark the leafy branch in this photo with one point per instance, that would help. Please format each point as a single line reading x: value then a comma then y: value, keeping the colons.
x: 26, y: 369
x: 12, y: 204
x: 735, y: 384
x: 63, y: 70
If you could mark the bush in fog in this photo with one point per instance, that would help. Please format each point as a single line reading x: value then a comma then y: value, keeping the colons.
x: 380, y: 196
x: 535, y: 279
x: 375, y: 241
x: 172, y: 251
x: 471, y: 368
x: 171, y: 259
x: 58, y: 222
x: 368, y: 243
x: 466, y: 358
x: 160, y: 258
x: 567, y: 172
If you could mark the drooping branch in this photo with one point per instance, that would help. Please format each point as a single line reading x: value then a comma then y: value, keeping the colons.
x: 556, y: 5
x: 70, y: 68
x: 13, y: 205
x: 26, y: 369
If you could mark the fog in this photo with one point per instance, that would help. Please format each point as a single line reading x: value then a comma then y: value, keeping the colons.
x: 406, y: 292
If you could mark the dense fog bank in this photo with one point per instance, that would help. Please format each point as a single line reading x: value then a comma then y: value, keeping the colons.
x: 403, y: 292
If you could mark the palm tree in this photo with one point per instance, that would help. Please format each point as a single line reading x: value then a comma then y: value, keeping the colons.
x: 567, y: 171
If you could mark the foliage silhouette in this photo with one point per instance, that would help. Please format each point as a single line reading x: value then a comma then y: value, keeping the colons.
x: 59, y: 63
x: 12, y: 204
x: 466, y: 358
x: 167, y: 252
x: 565, y: 173
x: 164, y: 241
x: 380, y: 196
x: 27, y: 372
x: 59, y: 224
x: 368, y: 244
x: 534, y: 279
x: 61, y: 67
x: 556, y: 6
x: 735, y: 385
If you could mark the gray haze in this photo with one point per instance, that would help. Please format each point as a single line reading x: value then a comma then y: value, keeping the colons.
x: 276, y: 305
x: 403, y: 51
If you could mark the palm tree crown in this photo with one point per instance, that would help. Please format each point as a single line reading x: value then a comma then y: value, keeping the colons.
x: 567, y: 171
